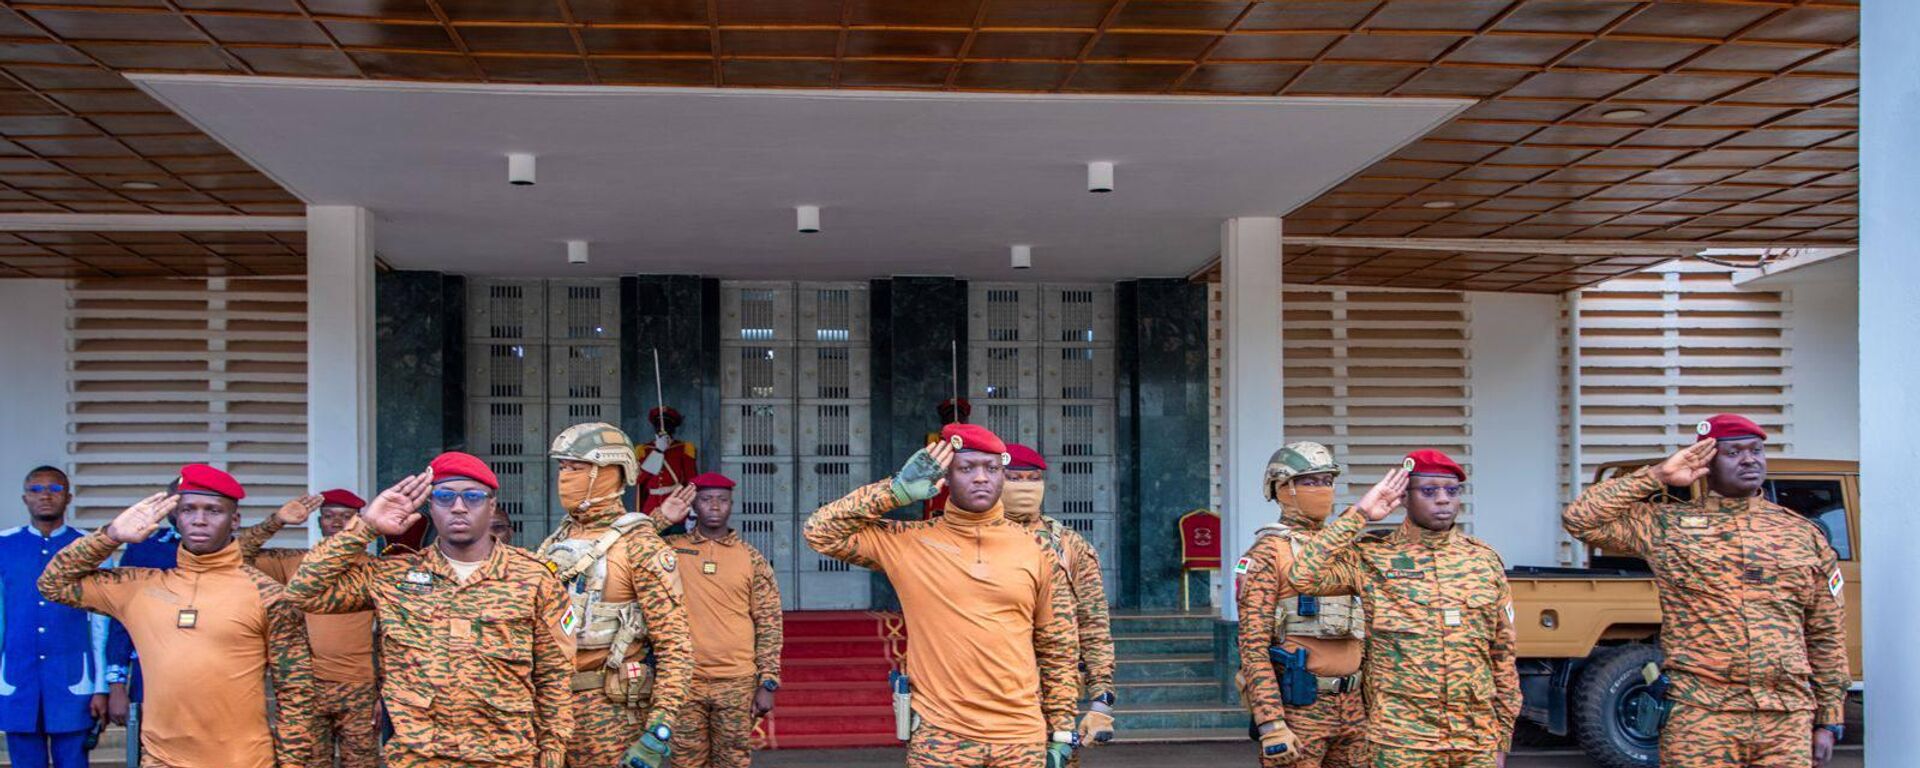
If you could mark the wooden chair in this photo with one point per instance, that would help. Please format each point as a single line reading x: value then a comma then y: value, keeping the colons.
x: 1199, y: 548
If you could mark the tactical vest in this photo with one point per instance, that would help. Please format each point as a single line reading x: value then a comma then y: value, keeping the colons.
x: 1337, y: 617
x: 581, y: 565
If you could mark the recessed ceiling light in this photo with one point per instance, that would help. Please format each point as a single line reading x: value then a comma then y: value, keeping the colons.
x: 1438, y: 204
x: 138, y: 185
x: 1623, y: 114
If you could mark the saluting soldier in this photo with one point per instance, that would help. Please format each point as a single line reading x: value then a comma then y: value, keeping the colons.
x: 1440, y: 670
x: 733, y: 604
x: 1750, y: 594
x: 1024, y: 495
x: 634, y: 657
x: 347, y: 689
x: 1300, y: 654
x: 211, y: 630
x: 992, y: 660
x: 475, y: 636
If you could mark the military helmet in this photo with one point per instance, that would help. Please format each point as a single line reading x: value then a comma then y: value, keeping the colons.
x: 1296, y: 459
x: 598, y: 443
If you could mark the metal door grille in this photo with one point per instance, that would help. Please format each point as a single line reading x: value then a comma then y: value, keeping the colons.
x: 542, y: 355
x: 796, y: 421
x: 1040, y: 372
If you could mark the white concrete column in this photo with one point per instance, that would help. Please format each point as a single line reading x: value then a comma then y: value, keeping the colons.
x: 1889, y: 408
x: 1252, y: 417
x: 340, y: 349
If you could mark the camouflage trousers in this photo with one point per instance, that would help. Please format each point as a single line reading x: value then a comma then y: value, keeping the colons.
x: 935, y: 748
x: 1696, y: 737
x: 344, y: 718
x: 404, y: 758
x: 602, y: 730
x: 1401, y: 757
x: 715, y: 727
x: 1331, y: 732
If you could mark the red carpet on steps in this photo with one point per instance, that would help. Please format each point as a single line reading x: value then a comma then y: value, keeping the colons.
x: 833, y: 690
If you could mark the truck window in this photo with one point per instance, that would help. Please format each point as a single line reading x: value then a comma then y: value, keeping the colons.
x: 1822, y: 501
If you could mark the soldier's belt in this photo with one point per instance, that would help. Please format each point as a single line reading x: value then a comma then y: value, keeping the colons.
x: 1338, y: 684
x: 589, y: 681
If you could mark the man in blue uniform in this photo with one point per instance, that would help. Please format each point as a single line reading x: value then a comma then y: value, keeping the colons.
x: 124, y: 689
x: 51, y: 687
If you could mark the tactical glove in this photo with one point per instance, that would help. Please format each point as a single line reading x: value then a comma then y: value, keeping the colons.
x: 653, y: 747
x: 1096, y: 726
x: 918, y: 480
x: 1058, y: 754
x: 1278, y: 746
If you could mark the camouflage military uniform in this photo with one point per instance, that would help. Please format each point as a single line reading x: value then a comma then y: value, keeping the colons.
x: 346, y: 710
x: 1439, y: 670
x: 732, y: 594
x: 635, y: 658
x: 1330, y: 732
x: 958, y: 576
x: 476, y: 672
x: 1081, y: 564
x: 1750, y: 593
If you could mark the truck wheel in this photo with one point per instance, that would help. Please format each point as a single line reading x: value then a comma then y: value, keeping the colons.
x: 1610, y: 693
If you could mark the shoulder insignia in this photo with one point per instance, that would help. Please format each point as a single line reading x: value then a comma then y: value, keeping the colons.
x: 1242, y: 565
x: 1836, y: 582
x: 570, y: 621
x: 666, y: 560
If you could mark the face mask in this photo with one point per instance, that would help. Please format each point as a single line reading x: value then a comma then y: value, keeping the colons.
x: 1022, y: 499
x: 1313, y: 502
x: 582, y: 489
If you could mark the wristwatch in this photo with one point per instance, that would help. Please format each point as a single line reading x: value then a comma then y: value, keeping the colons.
x: 116, y: 674
x: 1839, y: 731
x: 770, y: 685
x: 1105, y: 698
x: 663, y: 732
x: 1071, y: 738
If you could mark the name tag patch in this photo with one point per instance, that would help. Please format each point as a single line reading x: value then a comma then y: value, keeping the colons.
x: 1451, y: 617
x: 1693, y: 521
x: 419, y: 577
x: 1404, y: 573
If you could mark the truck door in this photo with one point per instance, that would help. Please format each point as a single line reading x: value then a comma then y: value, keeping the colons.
x: 1823, y: 499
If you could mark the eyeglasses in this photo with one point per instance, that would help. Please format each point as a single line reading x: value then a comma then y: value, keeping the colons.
x: 1434, y: 491
x: 447, y: 497
x: 47, y: 488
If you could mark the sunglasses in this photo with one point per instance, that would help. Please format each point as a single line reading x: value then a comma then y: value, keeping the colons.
x: 48, y: 488
x: 1434, y: 491
x: 446, y: 497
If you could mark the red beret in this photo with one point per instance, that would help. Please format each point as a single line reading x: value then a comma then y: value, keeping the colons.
x: 454, y: 464
x: 1024, y: 457
x: 202, y: 479
x: 711, y: 480
x: 1427, y: 461
x: 950, y: 405
x: 672, y: 418
x: 974, y: 437
x: 1729, y: 426
x: 341, y: 497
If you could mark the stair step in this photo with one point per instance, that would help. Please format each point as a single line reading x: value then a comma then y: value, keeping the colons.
x: 1131, y: 624
x: 1204, y: 690
x: 1181, y: 735
x: 1166, y: 717
x: 872, y: 692
x: 837, y: 740
x: 1170, y: 666
x: 835, y: 720
x: 835, y: 647
x: 1162, y: 643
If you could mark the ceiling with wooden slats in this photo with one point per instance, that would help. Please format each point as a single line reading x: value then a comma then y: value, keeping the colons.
x: 1714, y: 120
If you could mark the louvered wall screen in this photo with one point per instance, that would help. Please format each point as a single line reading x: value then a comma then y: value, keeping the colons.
x: 796, y: 421
x: 542, y: 355
x: 1647, y: 356
x: 1040, y: 372
x: 1370, y: 373
x: 163, y: 373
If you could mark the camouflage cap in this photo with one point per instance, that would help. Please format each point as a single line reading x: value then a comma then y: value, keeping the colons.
x: 1296, y: 459
x: 599, y: 443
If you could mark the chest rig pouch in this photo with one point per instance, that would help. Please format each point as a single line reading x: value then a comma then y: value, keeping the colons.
x: 1336, y: 617
x: 581, y: 565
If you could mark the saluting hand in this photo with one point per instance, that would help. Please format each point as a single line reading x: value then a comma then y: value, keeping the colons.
x: 675, y: 508
x: 1385, y: 496
x: 1688, y: 464
x: 298, y: 510
x: 139, y: 521
x: 396, y: 509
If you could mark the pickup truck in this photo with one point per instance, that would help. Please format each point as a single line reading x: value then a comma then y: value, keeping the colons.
x: 1586, y: 633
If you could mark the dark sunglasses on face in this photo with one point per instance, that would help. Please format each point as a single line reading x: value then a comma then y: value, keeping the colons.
x: 1434, y: 491
x: 445, y: 497
x: 48, y: 488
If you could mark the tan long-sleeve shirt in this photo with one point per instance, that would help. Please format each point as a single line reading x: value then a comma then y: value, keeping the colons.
x: 210, y: 631
x: 733, y: 606
x: 991, y: 648
x: 342, y: 643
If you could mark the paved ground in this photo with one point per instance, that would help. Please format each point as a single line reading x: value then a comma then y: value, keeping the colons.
x: 1214, y: 754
